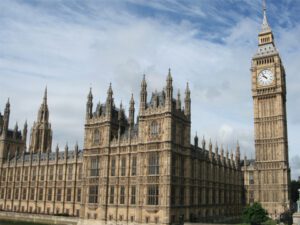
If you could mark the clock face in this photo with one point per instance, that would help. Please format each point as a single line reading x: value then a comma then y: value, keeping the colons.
x: 265, y: 77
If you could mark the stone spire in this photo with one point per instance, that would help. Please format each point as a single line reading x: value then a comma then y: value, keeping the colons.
x: 131, y: 111
x: 43, y: 114
x: 210, y: 155
x: 169, y: 88
x: 178, y: 101
x: 204, y: 143
x: 196, y: 140
x: 187, y: 102
x: 237, y: 152
x: 216, y: 152
x: 265, y: 28
x: 89, y: 105
x: 143, y: 94
x: 222, y: 154
x: 24, y: 133
x: 109, y: 100
x: 41, y: 133
x: 6, y: 117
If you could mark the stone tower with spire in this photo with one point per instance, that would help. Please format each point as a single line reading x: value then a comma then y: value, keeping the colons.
x: 12, y: 141
x: 41, y: 133
x: 267, y: 178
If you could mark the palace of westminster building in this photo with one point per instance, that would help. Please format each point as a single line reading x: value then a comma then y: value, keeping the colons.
x: 145, y: 170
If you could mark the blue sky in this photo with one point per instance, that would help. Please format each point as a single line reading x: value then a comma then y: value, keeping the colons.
x: 72, y: 45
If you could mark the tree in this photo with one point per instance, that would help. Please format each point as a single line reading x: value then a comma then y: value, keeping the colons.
x: 295, y: 185
x: 255, y: 214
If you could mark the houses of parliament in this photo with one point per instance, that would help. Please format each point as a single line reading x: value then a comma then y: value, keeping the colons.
x: 143, y: 169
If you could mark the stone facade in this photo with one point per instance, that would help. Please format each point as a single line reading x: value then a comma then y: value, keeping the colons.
x: 137, y: 171
x: 267, y: 178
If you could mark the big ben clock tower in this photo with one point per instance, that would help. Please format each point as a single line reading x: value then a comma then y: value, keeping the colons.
x: 270, y: 173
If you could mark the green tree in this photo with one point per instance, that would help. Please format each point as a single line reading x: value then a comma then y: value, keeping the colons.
x: 255, y: 214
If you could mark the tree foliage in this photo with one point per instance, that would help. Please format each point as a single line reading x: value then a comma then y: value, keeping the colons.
x: 255, y: 214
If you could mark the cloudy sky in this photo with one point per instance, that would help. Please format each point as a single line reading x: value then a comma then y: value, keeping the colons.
x: 72, y: 45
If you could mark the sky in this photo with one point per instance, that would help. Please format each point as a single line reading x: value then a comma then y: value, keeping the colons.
x: 72, y: 45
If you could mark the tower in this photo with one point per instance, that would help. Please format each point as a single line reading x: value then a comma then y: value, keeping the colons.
x: 271, y: 176
x: 41, y: 133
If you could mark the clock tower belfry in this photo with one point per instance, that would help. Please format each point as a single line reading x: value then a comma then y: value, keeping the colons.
x: 270, y: 184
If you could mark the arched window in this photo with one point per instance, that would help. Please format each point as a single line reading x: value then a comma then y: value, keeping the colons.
x: 154, y: 129
x: 96, y: 136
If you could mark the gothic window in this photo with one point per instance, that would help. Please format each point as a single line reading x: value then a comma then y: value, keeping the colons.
x: 51, y: 168
x: 69, y: 194
x: 154, y: 129
x: 78, y: 194
x: 58, y: 195
x: 16, y: 193
x: 251, y: 179
x: 153, y: 163
x: 3, y: 174
x: 70, y: 172
x: 133, y: 167
x: 18, y: 174
x: 182, y: 167
x: 123, y: 166
x: 33, y: 174
x: 93, y: 194
x: 60, y: 172
x: 96, y: 137
x: 174, y: 162
x: 173, y: 195
x: 79, y: 172
x: 181, y: 196
x: 191, y: 196
x: 111, y: 195
x: 40, y: 194
x: 2, y: 193
x: 49, y: 194
x: 42, y: 173
x: 31, y: 193
x: 133, y: 194
x: 24, y: 193
x: 113, y: 167
x: 8, y: 193
x: 153, y: 194
x: 122, y: 195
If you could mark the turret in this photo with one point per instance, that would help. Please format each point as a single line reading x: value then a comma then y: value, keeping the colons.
x: 216, y: 152
x: 245, y: 160
x: 143, y: 95
x: 131, y: 112
x: 43, y: 114
x: 6, y: 118
x: 237, y: 155
x: 24, y: 133
x: 222, y: 154
x: 89, y: 105
x: 169, y: 89
x: 76, y: 148
x: 227, y: 156
x: 178, y: 101
x: 41, y: 133
x: 196, y: 141
x: 109, y: 100
x: 16, y: 130
x: 203, y: 143
x: 187, y: 102
x: 210, y: 154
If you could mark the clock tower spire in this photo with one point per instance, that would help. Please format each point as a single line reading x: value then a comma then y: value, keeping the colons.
x: 270, y: 183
